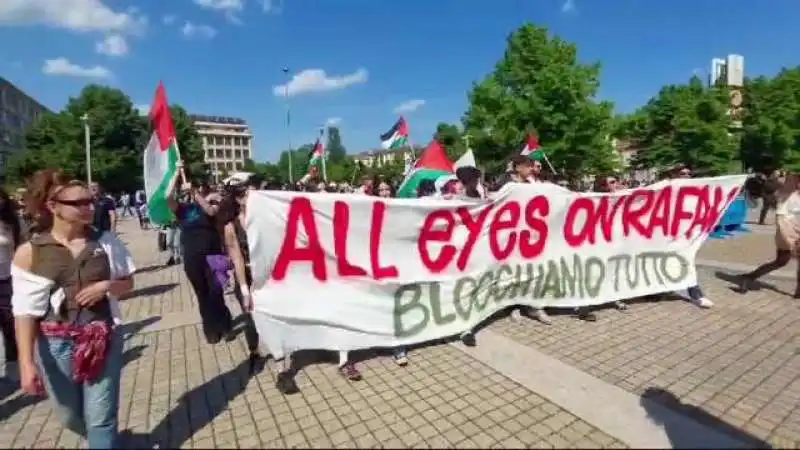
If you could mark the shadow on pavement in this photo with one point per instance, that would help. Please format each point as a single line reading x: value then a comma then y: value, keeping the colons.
x: 734, y: 279
x: 130, y: 329
x: 151, y: 268
x: 12, y: 400
x: 196, y: 409
x: 155, y: 289
x: 683, y: 432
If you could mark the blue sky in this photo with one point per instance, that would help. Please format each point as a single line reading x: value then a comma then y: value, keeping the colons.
x: 357, y: 61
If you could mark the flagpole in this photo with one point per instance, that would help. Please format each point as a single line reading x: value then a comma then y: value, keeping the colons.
x: 288, y: 124
x: 547, y: 160
x: 323, y: 155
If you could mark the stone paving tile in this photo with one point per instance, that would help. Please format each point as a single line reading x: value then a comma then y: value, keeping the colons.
x: 183, y: 393
x: 737, y: 363
x: 752, y: 249
x: 180, y: 392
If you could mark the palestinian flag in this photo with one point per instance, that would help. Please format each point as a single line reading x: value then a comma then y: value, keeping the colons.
x: 160, y: 160
x: 532, y: 149
x: 316, y: 155
x: 397, y: 137
x: 431, y: 165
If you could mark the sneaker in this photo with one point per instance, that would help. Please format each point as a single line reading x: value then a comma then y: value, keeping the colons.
x: 349, y: 371
x: 286, y: 384
x: 468, y: 339
x: 703, y: 302
x: 542, y: 316
x: 401, y: 358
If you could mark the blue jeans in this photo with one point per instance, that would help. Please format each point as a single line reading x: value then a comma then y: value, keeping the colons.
x: 174, y: 243
x: 88, y: 409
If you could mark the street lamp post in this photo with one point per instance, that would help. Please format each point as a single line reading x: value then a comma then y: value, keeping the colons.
x: 288, y: 123
x: 88, y: 147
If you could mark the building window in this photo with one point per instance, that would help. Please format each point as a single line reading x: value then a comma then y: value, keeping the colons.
x: 246, y: 154
x: 210, y: 154
x: 237, y: 154
x: 228, y: 166
x: 227, y: 153
x: 228, y: 141
x: 219, y: 153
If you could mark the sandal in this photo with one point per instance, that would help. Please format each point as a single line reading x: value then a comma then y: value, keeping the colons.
x: 350, y: 372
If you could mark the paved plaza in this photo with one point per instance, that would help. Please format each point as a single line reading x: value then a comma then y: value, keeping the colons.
x: 663, y: 374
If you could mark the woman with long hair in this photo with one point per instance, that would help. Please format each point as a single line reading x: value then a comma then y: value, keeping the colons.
x: 66, y: 281
x: 787, y: 234
x: 232, y: 217
x: 195, y: 212
x: 10, y: 239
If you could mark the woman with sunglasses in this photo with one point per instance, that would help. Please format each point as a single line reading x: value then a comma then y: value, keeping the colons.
x: 66, y: 280
x: 195, y: 213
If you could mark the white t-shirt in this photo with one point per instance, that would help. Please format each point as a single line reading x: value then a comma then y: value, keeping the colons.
x: 790, y: 206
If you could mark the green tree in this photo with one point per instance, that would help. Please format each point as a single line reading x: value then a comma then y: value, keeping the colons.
x: 452, y: 140
x: 686, y: 124
x: 540, y: 84
x: 334, y: 148
x: 771, y: 122
x: 118, y: 136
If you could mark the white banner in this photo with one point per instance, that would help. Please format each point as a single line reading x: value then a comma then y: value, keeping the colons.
x: 347, y: 272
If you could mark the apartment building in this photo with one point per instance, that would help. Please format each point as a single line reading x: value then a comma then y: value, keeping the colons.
x: 18, y: 111
x: 227, y: 142
x: 378, y: 158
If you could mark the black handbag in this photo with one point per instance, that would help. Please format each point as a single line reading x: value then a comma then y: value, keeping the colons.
x: 162, y: 240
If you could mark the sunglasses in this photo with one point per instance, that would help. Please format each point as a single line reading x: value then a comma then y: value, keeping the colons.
x: 79, y: 203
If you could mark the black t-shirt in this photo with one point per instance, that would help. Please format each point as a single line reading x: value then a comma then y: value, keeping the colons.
x: 102, y: 213
x: 198, y: 233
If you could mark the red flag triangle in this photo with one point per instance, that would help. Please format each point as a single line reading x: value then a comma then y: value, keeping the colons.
x: 434, y: 157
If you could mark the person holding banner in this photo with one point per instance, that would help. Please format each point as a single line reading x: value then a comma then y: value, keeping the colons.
x: 200, y: 238
x: 525, y: 170
x: 384, y: 189
x: 695, y: 294
x: 787, y: 235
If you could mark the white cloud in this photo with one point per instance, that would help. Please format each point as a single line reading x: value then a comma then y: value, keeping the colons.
x: 230, y: 8
x: 333, y: 121
x: 191, y: 30
x: 63, y: 67
x: 143, y: 109
x: 409, y: 106
x: 568, y: 6
x: 169, y: 19
x: 75, y: 15
x: 112, y: 45
x: 316, y: 80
